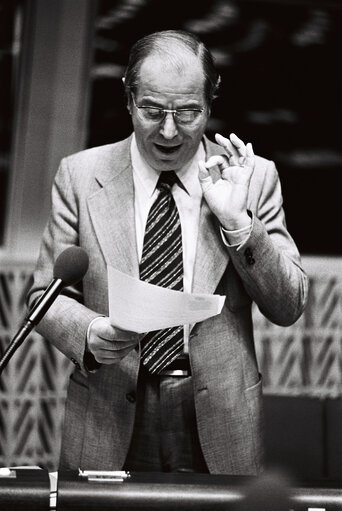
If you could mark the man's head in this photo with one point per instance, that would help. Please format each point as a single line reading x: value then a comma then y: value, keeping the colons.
x: 170, y: 70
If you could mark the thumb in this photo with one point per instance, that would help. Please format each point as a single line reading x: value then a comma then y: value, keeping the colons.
x: 249, y: 155
x: 204, y: 177
x: 127, y: 335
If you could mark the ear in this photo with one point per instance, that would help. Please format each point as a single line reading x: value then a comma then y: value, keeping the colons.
x: 129, y: 107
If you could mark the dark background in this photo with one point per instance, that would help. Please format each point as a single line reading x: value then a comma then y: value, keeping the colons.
x: 7, y: 80
x: 281, y: 90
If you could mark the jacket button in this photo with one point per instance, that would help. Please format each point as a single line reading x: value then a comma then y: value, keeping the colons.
x: 74, y: 361
x: 131, y: 397
x: 249, y: 256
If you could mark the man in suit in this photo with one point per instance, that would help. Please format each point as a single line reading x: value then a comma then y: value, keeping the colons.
x: 202, y: 411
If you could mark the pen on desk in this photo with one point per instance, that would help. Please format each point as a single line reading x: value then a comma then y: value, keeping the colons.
x: 110, y: 475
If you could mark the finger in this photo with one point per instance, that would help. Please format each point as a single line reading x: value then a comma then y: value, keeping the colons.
x: 126, y: 335
x: 218, y: 159
x: 109, y: 360
x: 116, y: 334
x: 102, y: 328
x: 223, y: 142
x: 120, y: 337
x: 231, y: 150
x: 105, y: 361
x: 109, y: 357
x: 233, y: 161
x: 110, y: 346
x: 204, y: 177
x: 97, y: 344
x: 203, y: 172
x: 105, y: 338
x: 227, y: 145
x: 250, y: 158
x: 238, y: 144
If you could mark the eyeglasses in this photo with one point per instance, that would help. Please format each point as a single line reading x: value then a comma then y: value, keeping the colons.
x: 156, y: 114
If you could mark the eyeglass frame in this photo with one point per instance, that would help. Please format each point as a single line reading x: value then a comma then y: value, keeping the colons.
x: 168, y: 111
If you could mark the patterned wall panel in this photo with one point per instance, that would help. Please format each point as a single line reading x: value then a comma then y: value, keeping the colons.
x: 32, y: 386
x: 304, y: 359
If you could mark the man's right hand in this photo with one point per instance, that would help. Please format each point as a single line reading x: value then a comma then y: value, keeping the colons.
x: 109, y: 344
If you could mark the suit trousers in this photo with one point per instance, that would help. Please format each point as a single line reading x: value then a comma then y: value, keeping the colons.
x: 165, y: 437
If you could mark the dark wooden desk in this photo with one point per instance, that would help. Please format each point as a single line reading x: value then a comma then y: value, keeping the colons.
x: 30, y: 490
x: 188, y: 491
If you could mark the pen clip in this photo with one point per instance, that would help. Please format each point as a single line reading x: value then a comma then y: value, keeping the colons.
x: 104, y: 475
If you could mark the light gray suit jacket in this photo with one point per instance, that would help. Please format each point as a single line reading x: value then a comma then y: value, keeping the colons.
x: 93, y: 207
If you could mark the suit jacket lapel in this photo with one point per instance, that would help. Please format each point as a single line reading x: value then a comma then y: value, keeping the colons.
x: 211, y: 255
x: 112, y: 212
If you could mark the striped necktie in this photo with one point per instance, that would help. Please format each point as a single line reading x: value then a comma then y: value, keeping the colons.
x: 162, y: 264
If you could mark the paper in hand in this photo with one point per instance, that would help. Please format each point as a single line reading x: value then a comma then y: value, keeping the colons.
x: 141, y: 307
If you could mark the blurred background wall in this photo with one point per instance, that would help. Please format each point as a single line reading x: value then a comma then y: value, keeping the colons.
x: 61, y: 63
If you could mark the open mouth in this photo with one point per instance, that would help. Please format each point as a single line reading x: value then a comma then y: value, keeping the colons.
x: 167, y: 149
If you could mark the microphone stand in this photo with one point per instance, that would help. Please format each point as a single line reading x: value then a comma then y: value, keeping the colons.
x: 33, y: 318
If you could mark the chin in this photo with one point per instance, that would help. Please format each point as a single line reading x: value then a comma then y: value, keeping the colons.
x: 166, y: 165
x: 160, y: 164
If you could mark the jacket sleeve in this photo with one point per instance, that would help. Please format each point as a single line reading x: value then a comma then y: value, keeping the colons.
x: 66, y: 322
x: 268, y: 262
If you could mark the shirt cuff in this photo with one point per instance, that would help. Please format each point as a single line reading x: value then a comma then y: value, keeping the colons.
x: 90, y: 362
x: 237, y: 237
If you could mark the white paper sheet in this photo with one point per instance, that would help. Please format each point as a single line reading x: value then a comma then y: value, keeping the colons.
x: 141, y: 307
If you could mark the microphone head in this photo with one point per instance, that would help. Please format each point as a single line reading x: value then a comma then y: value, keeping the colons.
x: 71, y: 265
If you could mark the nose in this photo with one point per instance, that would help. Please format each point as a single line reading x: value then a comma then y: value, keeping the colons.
x: 169, y: 128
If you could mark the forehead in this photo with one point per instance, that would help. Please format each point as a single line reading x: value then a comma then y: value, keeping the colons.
x: 161, y: 78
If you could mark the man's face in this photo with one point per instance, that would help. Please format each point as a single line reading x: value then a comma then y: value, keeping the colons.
x: 168, y: 144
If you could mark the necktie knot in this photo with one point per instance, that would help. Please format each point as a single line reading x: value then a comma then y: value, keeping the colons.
x: 167, y: 179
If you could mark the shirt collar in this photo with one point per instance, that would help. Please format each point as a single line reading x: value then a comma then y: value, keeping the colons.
x: 148, y: 177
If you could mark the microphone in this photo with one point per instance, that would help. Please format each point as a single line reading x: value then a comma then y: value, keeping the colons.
x: 69, y: 268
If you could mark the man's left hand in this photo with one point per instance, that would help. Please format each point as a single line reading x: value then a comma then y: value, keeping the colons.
x: 227, y: 197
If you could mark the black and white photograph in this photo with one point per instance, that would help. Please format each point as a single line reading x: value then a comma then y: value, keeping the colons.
x: 170, y: 255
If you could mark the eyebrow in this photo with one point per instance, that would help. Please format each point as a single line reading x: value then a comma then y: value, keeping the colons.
x: 156, y: 104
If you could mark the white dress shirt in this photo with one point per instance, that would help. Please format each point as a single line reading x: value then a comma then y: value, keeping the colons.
x: 188, y: 201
